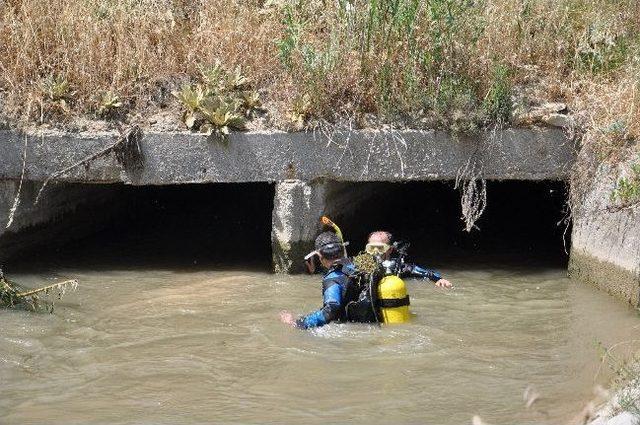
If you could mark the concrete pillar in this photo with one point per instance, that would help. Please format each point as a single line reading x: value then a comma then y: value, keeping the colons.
x: 297, y: 209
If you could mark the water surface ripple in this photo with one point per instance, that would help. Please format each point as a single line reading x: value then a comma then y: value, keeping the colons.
x: 186, y: 347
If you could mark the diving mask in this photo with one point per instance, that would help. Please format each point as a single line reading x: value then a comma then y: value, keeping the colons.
x: 377, y: 248
x: 326, y: 247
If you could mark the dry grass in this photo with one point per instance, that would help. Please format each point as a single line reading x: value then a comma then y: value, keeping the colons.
x: 442, y: 63
x: 137, y: 50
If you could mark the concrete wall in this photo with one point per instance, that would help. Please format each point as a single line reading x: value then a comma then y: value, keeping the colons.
x: 605, y: 247
x: 297, y: 208
x: 528, y: 154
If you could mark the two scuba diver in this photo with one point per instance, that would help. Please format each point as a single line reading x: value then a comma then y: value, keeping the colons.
x: 352, y: 294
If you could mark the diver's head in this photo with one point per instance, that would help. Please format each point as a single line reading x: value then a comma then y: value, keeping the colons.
x: 380, y: 243
x: 329, y: 248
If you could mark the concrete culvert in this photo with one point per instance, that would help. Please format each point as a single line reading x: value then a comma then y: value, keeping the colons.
x: 178, y: 225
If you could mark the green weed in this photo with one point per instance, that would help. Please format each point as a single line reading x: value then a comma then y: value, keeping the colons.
x: 627, y: 189
x: 292, y: 31
x: 497, y: 103
x: 109, y: 103
x: 215, y: 105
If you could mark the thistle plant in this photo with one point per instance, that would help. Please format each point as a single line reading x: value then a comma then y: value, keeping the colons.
x: 220, y: 116
x: 56, y: 88
x: 214, y: 106
x: 300, y: 111
x: 213, y: 77
x: 237, y: 80
x: 191, y: 99
x: 627, y: 189
x: 109, y: 103
x: 55, y: 96
x: 251, y: 102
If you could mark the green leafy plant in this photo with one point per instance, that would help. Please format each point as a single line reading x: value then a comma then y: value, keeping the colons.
x: 56, y: 88
x: 292, y: 33
x: 191, y: 98
x: 251, y: 102
x: 213, y: 77
x: 56, y: 95
x: 300, y: 110
x: 237, y: 80
x: 217, y: 105
x: 109, y: 103
x: 627, y: 189
x: 600, y: 50
x: 220, y: 117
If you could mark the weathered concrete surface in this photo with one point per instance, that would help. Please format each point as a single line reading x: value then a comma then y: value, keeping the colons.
x: 311, y: 169
x: 83, y: 208
x: 605, y: 247
x: 528, y: 154
x: 297, y: 209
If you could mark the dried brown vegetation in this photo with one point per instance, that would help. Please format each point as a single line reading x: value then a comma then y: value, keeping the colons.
x: 458, y: 64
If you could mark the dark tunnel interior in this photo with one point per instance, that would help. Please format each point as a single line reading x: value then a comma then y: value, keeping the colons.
x: 229, y: 226
x: 523, y: 222
x: 178, y: 226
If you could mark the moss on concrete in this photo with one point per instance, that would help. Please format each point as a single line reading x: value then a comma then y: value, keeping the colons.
x: 617, y: 281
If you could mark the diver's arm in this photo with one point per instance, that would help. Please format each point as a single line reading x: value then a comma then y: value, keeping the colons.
x: 414, y: 270
x: 328, y: 313
x: 432, y: 275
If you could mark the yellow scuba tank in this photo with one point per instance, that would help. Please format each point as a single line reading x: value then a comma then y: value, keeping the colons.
x: 393, y: 300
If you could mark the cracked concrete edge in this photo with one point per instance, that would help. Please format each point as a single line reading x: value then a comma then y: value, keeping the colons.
x: 180, y: 158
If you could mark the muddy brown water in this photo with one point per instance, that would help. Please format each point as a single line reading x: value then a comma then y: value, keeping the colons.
x: 187, y: 346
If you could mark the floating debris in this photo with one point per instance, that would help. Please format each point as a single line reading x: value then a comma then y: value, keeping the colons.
x: 12, y: 295
x: 365, y: 263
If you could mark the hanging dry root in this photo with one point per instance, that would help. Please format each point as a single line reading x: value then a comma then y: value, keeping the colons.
x: 473, y: 199
x: 127, y: 151
x: 16, y: 200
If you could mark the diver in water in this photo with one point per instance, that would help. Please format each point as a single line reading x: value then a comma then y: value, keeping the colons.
x: 381, y: 243
x: 338, y: 285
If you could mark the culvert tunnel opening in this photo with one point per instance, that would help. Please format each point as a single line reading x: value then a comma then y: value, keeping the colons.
x: 217, y: 226
x: 524, y: 222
